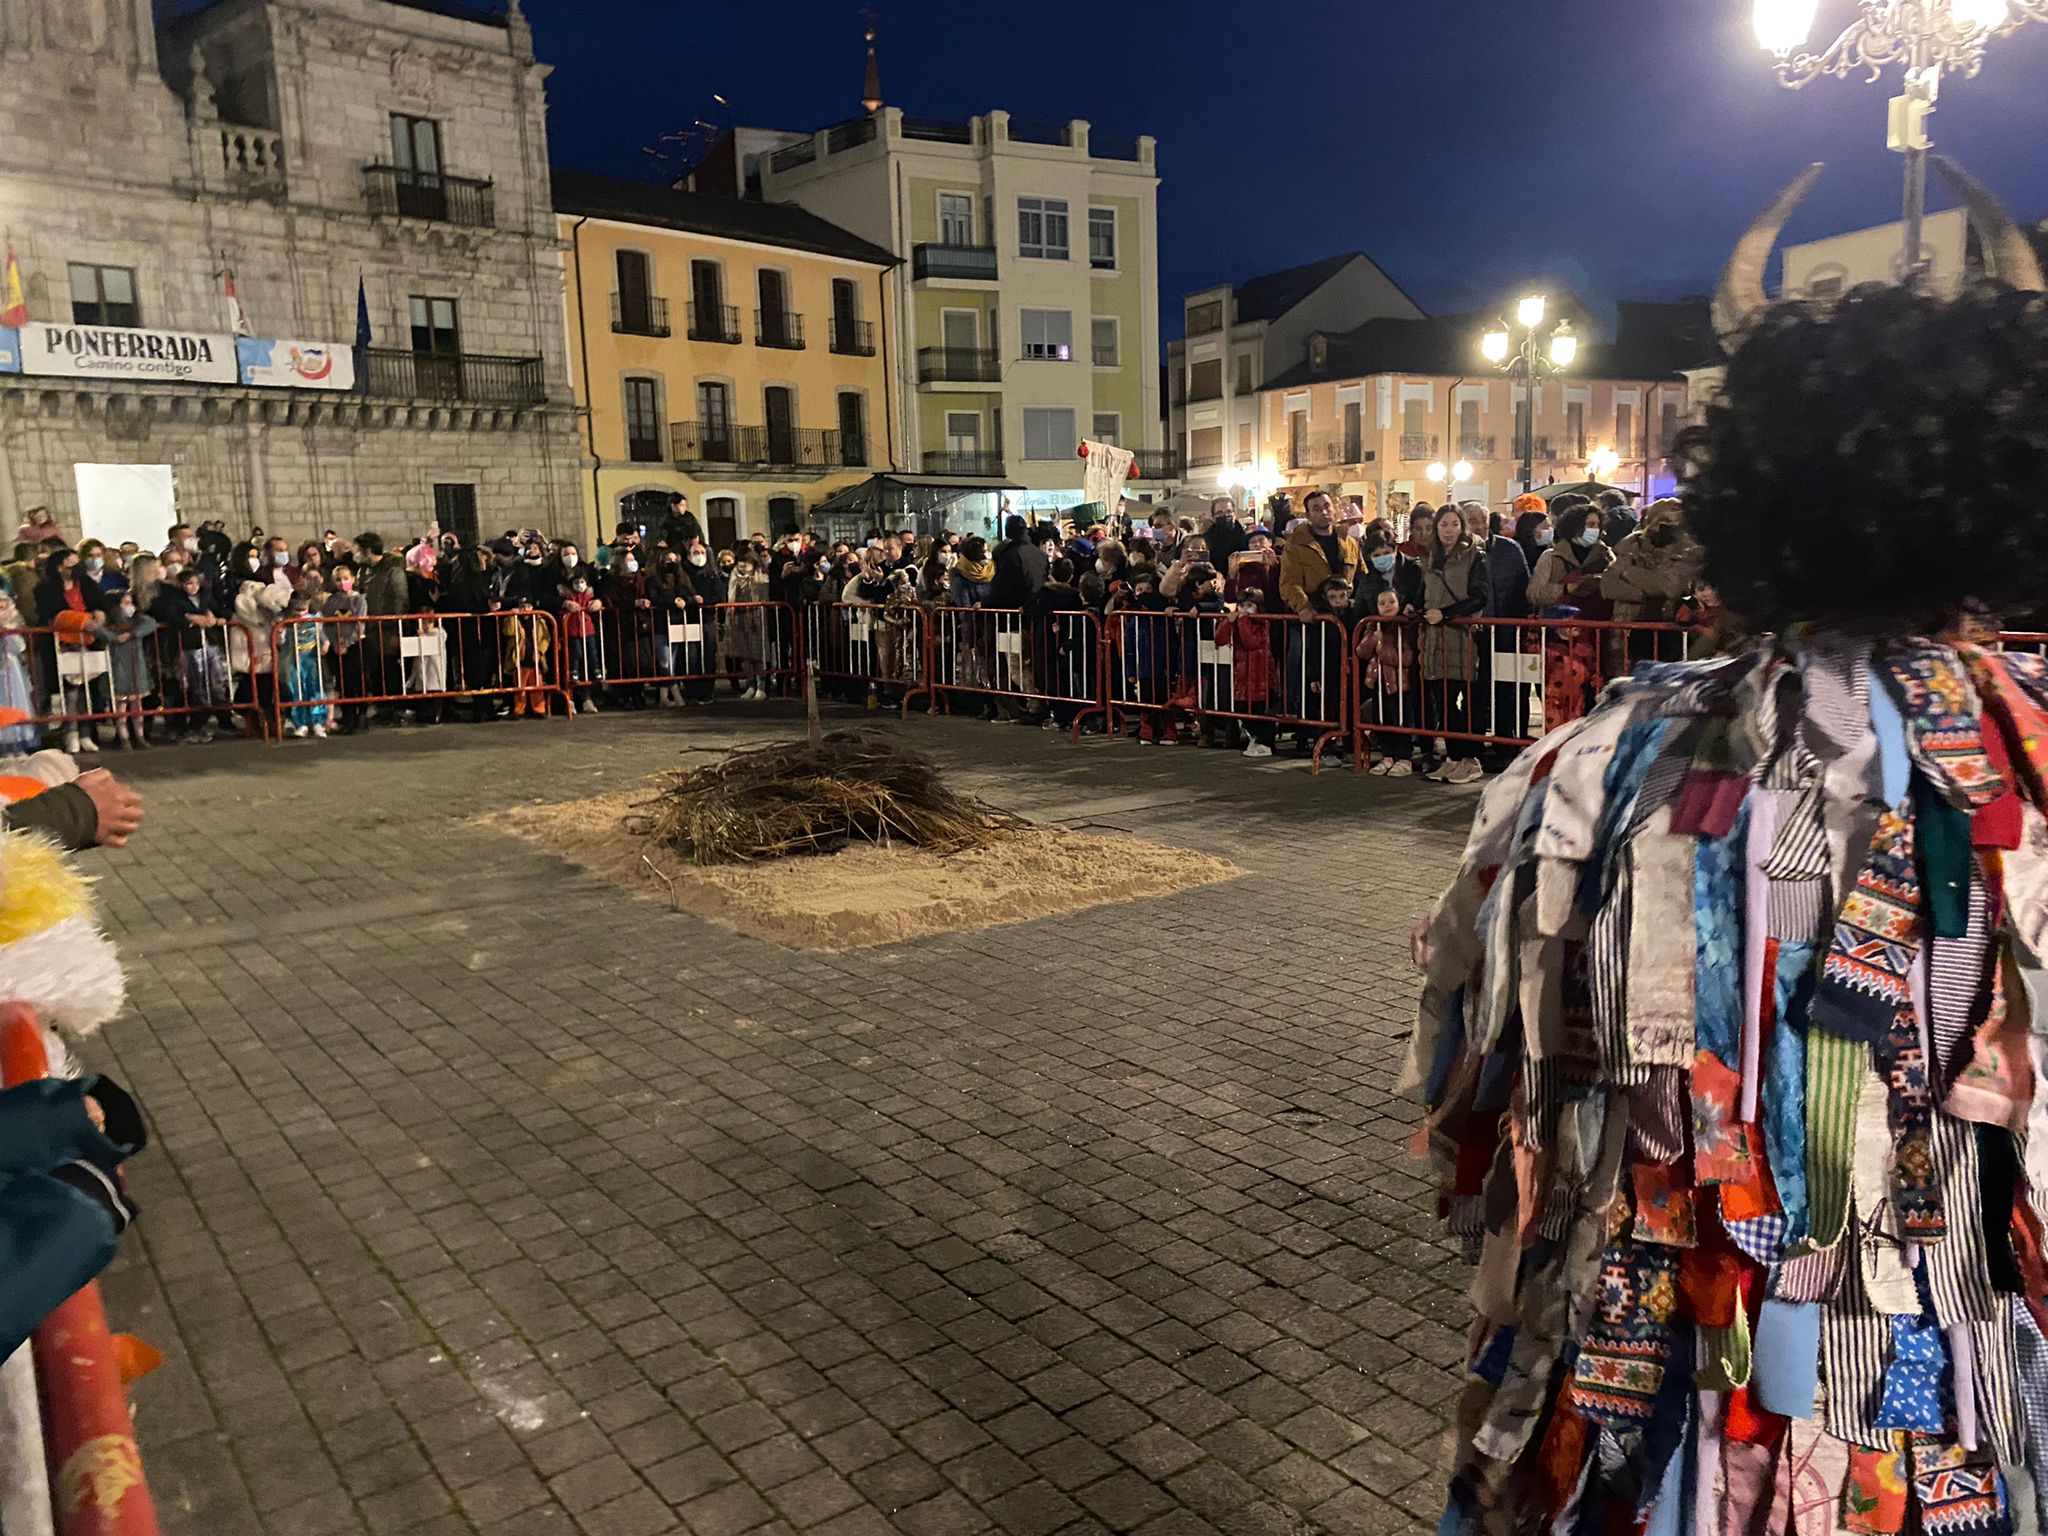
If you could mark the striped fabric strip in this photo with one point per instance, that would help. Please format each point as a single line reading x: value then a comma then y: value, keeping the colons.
x: 1855, y: 1346
x: 1959, y: 985
x: 1835, y: 1073
x: 1607, y: 978
x: 2032, y: 1367
x: 1957, y: 1276
x: 2001, y: 1415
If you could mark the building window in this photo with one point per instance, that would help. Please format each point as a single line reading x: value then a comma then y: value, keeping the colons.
x: 103, y: 296
x: 1354, y: 432
x: 436, y: 347
x: 785, y: 515
x: 1244, y: 442
x: 714, y: 421
x: 1042, y: 227
x: 778, y: 412
x: 1468, y: 430
x: 1205, y: 447
x: 722, y: 521
x: 956, y: 218
x: 643, y: 421
x: 1575, y: 428
x: 1205, y: 379
x: 1103, y: 340
x: 1048, y: 334
x: 455, y: 512
x: 1245, y: 380
x: 853, y: 428
x: 1102, y: 239
x: 1049, y: 434
x: 1669, y: 425
x: 1204, y: 318
x: 1625, y: 428
x: 416, y: 144
x: 634, y: 306
x: 1109, y: 428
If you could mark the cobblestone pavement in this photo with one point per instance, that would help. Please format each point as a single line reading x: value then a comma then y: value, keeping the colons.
x: 485, y: 1198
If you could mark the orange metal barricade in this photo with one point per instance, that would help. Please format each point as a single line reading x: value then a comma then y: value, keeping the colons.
x: 81, y: 682
x: 1491, y: 682
x: 95, y: 1465
x: 1053, y: 661
x: 329, y: 667
x: 875, y: 648
x: 1267, y: 672
x: 692, y: 648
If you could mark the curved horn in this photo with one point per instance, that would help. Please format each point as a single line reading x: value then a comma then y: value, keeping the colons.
x: 2007, y: 250
x: 1741, y: 299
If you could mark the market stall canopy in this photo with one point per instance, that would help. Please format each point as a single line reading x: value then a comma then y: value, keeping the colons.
x: 901, y: 499
x: 1582, y: 488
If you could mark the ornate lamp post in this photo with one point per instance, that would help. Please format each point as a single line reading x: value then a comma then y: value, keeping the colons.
x: 1533, y: 361
x: 1927, y: 37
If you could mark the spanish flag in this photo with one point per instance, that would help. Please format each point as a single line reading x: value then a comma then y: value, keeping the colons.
x: 15, y: 315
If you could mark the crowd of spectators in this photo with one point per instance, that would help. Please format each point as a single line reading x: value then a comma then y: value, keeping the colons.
x: 119, y: 636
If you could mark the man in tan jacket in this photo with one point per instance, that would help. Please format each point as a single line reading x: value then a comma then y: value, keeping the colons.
x: 1314, y: 553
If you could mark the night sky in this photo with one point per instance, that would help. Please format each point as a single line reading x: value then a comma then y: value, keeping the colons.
x: 1469, y: 146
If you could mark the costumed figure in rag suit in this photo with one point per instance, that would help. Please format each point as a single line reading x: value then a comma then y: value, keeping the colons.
x: 1732, y: 1033
x: 63, y: 1137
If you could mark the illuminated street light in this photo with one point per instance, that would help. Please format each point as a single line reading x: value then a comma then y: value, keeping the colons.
x: 1461, y: 472
x: 1929, y: 38
x: 1601, y: 463
x: 1437, y: 472
x: 1532, y: 360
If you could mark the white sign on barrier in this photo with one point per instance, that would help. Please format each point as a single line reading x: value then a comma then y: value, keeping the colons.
x: 433, y: 644
x: 686, y: 634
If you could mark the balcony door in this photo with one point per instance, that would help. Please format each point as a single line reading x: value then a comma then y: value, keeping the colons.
x: 636, y: 288
x: 961, y: 333
x: 707, y: 300
x: 436, y: 348
x: 853, y: 428
x: 845, y: 314
x: 778, y: 409
x: 773, y: 287
x: 722, y: 515
x: 956, y: 218
x: 1354, y: 433
x: 714, y: 422
x: 963, y: 441
x: 416, y: 156
x: 1297, y: 439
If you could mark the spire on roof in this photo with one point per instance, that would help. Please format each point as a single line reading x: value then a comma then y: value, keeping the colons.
x: 871, y: 84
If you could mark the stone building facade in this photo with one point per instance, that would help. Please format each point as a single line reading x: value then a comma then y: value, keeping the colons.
x: 307, y: 146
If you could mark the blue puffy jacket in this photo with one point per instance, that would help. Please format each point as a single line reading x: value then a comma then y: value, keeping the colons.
x: 62, y: 1206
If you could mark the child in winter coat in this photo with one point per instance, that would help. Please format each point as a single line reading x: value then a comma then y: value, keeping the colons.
x: 1389, y: 691
x: 129, y: 648
x: 580, y: 608
x: 300, y: 642
x: 14, y: 689
x: 1138, y: 630
x: 528, y: 640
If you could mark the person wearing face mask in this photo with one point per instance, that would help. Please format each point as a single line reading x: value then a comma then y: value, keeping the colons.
x: 257, y: 597
x: 1101, y: 578
x: 1654, y: 571
x: 102, y: 568
x: 1533, y: 530
x: 1568, y: 575
x: 129, y: 648
x: 345, y: 642
x: 387, y: 594
x: 73, y: 607
x: 581, y: 608
x: 709, y: 586
x: 626, y: 628
x: 1384, y: 568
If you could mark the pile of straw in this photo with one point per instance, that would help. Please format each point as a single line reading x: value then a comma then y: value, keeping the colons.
x: 814, y: 797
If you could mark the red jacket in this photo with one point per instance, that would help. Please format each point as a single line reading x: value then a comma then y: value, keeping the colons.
x: 579, y: 620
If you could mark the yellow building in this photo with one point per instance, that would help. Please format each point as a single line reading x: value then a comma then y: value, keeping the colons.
x: 736, y: 351
x: 1394, y: 407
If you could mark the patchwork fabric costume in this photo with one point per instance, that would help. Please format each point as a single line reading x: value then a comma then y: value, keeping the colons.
x: 1732, y: 1041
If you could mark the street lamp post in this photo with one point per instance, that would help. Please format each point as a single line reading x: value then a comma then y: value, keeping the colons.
x: 1540, y: 353
x: 1928, y: 37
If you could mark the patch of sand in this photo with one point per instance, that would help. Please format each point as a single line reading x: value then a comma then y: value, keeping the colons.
x: 863, y: 895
